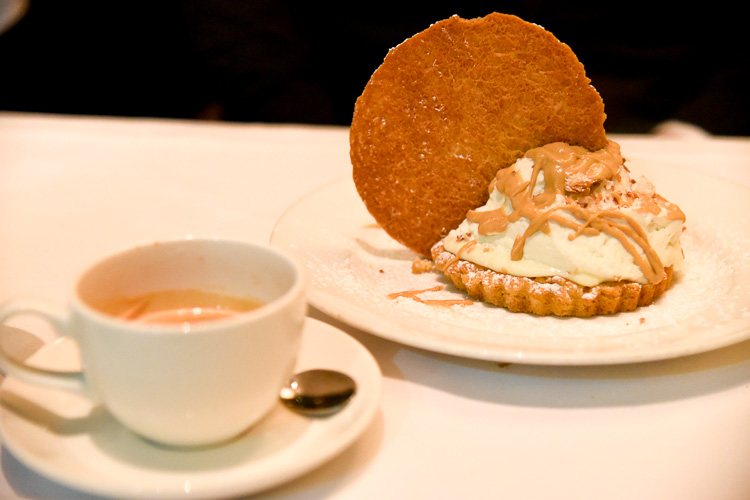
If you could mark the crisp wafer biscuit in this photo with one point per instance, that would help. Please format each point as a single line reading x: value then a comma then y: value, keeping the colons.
x: 453, y: 104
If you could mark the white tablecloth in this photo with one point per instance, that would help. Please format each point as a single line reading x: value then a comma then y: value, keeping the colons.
x: 75, y: 188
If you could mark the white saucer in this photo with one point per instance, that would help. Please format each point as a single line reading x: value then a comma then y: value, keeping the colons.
x: 59, y: 436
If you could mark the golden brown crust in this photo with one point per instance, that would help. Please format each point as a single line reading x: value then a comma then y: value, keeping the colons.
x: 453, y: 104
x: 548, y: 295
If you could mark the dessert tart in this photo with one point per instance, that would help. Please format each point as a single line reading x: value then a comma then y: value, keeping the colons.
x: 480, y: 144
x: 568, y: 232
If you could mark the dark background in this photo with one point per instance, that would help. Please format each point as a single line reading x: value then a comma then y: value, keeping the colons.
x: 305, y: 62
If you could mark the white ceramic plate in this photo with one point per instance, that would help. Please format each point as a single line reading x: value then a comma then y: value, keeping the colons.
x: 355, y: 265
x: 57, y: 434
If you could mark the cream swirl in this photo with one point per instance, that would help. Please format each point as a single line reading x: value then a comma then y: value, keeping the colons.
x: 564, y: 211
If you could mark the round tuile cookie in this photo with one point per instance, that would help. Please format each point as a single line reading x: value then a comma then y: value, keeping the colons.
x: 450, y: 106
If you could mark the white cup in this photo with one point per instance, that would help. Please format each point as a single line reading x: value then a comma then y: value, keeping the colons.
x: 186, y: 384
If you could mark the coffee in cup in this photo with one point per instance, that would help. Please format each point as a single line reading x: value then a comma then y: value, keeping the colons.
x: 178, y: 306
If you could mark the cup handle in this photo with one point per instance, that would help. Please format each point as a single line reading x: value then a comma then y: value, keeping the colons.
x: 57, y: 317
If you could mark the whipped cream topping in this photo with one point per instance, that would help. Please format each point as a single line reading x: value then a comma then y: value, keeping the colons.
x: 565, y: 211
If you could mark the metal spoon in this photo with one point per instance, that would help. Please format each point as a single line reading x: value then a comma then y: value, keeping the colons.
x: 318, y: 392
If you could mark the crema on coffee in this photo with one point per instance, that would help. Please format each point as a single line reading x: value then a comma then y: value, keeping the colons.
x: 177, y: 306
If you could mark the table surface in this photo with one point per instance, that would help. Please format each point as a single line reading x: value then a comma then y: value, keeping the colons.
x: 75, y: 188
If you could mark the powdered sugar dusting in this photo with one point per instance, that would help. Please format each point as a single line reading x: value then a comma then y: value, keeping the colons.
x: 377, y: 266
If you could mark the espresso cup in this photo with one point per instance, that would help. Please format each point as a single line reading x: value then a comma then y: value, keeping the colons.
x: 185, y: 342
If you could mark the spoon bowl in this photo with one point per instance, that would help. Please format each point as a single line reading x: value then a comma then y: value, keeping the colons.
x: 317, y: 392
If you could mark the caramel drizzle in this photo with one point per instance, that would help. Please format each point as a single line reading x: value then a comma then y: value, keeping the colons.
x: 414, y: 295
x: 465, y: 248
x: 571, y: 169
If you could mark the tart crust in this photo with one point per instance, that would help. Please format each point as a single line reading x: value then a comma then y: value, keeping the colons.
x: 550, y: 295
